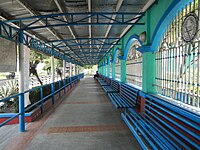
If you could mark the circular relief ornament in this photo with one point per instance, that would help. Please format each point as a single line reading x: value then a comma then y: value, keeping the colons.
x: 142, y: 36
x: 189, y: 27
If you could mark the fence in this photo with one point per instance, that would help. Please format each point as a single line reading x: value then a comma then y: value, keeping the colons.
x: 54, y: 88
x: 178, y: 62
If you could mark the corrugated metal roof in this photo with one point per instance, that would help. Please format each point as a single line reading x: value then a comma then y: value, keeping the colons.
x: 12, y: 9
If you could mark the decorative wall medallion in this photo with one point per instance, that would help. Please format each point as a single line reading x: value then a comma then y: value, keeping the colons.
x: 189, y: 27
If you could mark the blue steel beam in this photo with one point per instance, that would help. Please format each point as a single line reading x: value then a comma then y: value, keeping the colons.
x: 93, y: 48
x: 81, y: 24
x: 91, y: 52
x: 80, y: 19
x: 96, y: 44
x: 83, y: 39
x: 78, y: 51
x: 74, y: 15
x: 12, y: 34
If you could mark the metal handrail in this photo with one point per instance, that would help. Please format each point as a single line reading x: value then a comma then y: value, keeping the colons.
x: 22, y: 109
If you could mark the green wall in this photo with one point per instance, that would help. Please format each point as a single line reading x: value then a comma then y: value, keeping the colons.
x: 151, y: 19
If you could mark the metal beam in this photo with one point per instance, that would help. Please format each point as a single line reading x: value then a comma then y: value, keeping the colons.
x: 99, y: 18
x: 93, y: 44
x: 87, y: 49
x: 82, y: 24
x: 85, y: 41
x: 90, y: 20
x: 34, y: 13
x: 119, y: 3
x: 66, y: 40
x: 61, y: 9
x: 85, y: 15
x: 92, y: 52
x: 143, y: 10
x: 10, y: 32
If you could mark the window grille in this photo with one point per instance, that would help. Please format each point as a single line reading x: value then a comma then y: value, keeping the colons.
x: 110, y: 69
x: 110, y: 65
x: 178, y: 62
x: 118, y: 67
x: 134, y: 65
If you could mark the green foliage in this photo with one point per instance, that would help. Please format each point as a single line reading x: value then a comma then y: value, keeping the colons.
x: 47, y: 66
x: 34, y: 95
x: 88, y: 66
x: 34, y: 56
x: 7, y: 90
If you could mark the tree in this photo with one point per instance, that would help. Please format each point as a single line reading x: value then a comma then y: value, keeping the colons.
x: 35, y: 59
x: 88, y: 66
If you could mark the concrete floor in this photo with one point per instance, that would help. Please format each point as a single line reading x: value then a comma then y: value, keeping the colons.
x: 85, y: 120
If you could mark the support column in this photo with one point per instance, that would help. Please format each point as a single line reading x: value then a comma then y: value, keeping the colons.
x: 70, y: 69
x: 21, y: 83
x: 100, y: 69
x: 77, y: 69
x: 123, y: 71
x: 148, y: 72
x: 73, y: 72
x: 52, y: 76
x: 52, y: 69
x: 108, y: 67
x: 113, y: 70
x: 104, y: 69
x: 64, y: 69
x: 26, y: 64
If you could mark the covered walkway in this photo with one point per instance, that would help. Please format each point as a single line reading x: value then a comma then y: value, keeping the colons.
x: 148, y: 58
x: 85, y: 120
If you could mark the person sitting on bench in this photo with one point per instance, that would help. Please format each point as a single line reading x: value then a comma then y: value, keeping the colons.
x: 96, y: 75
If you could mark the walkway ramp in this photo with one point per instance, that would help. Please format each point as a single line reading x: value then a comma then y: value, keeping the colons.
x: 85, y: 120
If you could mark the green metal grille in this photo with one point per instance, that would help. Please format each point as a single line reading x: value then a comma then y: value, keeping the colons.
x: 177, y: 62
x: 117, y: 69
x: 134, y: 65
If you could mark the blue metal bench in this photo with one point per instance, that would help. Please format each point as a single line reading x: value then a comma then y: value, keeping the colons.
x: 113, y: 88
x: 102, y: 82
x: 164, y: 126
x: 127, y: 97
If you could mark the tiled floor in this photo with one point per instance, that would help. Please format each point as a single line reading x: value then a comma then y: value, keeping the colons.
x: 85, y: 120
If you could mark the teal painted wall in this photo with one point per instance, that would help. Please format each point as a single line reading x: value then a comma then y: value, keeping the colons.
x: 151, y: 19
x: 108, y: 66
x: 148, y: 72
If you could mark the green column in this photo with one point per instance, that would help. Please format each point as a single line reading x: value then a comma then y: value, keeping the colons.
x: 148, y: 72
x: 123, y: 71
x: 108, y: 67
x: 113, y: 70
x: 104, y: 69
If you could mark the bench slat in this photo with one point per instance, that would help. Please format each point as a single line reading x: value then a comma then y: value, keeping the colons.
x: 144, y: 147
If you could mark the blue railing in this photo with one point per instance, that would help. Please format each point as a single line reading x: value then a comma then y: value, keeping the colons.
x: 54, y: 88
